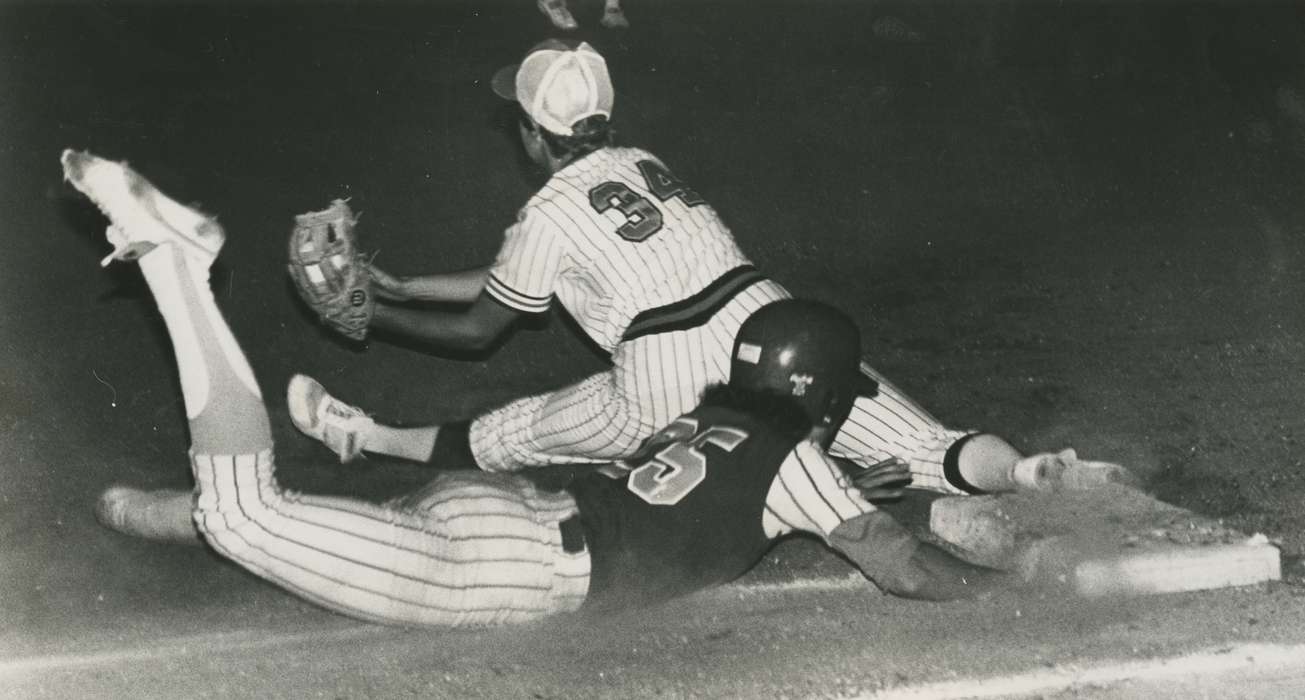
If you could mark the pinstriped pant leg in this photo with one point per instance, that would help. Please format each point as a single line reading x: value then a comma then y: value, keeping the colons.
x: 654, y: 379
x: 469, y: 550
x: 590, y: 421
x: 496, y: 514
x: 894, y: 425
x: 888, y: 425
x: 494, y: 557
x: 601, y: 418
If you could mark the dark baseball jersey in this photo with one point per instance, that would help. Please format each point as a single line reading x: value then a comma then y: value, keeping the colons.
x: 684, y: 514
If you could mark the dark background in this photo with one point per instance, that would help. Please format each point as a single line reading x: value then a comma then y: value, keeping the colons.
x: 1074, y: 224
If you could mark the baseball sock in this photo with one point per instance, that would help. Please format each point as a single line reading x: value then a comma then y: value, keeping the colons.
x: 223, y: 402
x: 415, y: 444
x: 983, y: 462
x: 181, y: 291
x: 452, y: 448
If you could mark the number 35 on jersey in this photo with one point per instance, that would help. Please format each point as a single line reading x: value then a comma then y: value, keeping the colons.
x: 677, y: 463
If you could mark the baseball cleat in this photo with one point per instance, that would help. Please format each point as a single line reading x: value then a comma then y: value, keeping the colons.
x: 142, y: 218
x: 614, y: 18
x: 161, y: 516
x: 1064, y: 471
x: 557, y: 13
x: 317, y: 414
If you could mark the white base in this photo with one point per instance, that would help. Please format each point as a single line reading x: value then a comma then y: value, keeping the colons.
x: 1173, y: 569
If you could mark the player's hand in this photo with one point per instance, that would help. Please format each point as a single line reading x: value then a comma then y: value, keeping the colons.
x: 388, y: 286
x: 883, y: 481
x: 900, y: 563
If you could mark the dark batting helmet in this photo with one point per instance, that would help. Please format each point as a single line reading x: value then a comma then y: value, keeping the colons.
x: 805, y: 350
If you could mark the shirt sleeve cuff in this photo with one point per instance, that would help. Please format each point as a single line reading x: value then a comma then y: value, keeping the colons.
x: 513, y: 299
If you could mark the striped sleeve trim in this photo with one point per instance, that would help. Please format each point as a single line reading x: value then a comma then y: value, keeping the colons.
x: 511, y: 298
x: 951, y: 467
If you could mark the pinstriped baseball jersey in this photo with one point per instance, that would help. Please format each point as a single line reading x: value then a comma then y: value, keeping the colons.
x: 702, y: 504
x: 650, y: 272
x: 614, y: 237
x: 609, y: 236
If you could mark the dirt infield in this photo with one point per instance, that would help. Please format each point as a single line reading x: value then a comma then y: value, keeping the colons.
x: 1090, y: 236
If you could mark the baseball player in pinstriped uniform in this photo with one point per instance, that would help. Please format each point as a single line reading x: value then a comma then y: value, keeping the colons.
x: 699, y: 506
x: 651, y: 274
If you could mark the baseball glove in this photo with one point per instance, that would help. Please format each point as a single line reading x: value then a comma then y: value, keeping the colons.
x: 329, y: 272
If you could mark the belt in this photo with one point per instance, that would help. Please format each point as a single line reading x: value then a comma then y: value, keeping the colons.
x: 696, y: 310
x: 573, y: 535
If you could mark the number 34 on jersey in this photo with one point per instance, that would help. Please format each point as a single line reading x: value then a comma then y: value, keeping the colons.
x: 643, y: 219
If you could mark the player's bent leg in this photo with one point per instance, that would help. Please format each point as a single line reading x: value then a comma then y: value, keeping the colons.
x: 143, y: 220
x: 471, y: 549
x: 590, y: 421
x: 655, y: 379
x: 223, y: 401
x: 956, y: 461
x: 891, y: 424
x: 460, y: 563
x: 363, y: 560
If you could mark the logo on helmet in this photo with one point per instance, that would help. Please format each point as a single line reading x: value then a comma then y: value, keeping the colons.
x: 800, y: 383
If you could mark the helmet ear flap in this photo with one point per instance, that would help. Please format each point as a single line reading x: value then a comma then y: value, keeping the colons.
x: 856, y: 386
x: 838, y: 405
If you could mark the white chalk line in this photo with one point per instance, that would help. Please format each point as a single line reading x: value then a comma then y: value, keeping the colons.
x: 1263, y: 658
x: 182, y: 646
x: 1249, y: 656
x: 260, y: 639
x: 849, y: 582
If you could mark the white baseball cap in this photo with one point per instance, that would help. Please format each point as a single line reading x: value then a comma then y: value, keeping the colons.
x: 558, y: 84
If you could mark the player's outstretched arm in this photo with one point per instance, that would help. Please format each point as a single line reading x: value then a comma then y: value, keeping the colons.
x: 475, y: 329
x: 462, y: 287
x: 812, y: 494
x: 900, y: 563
